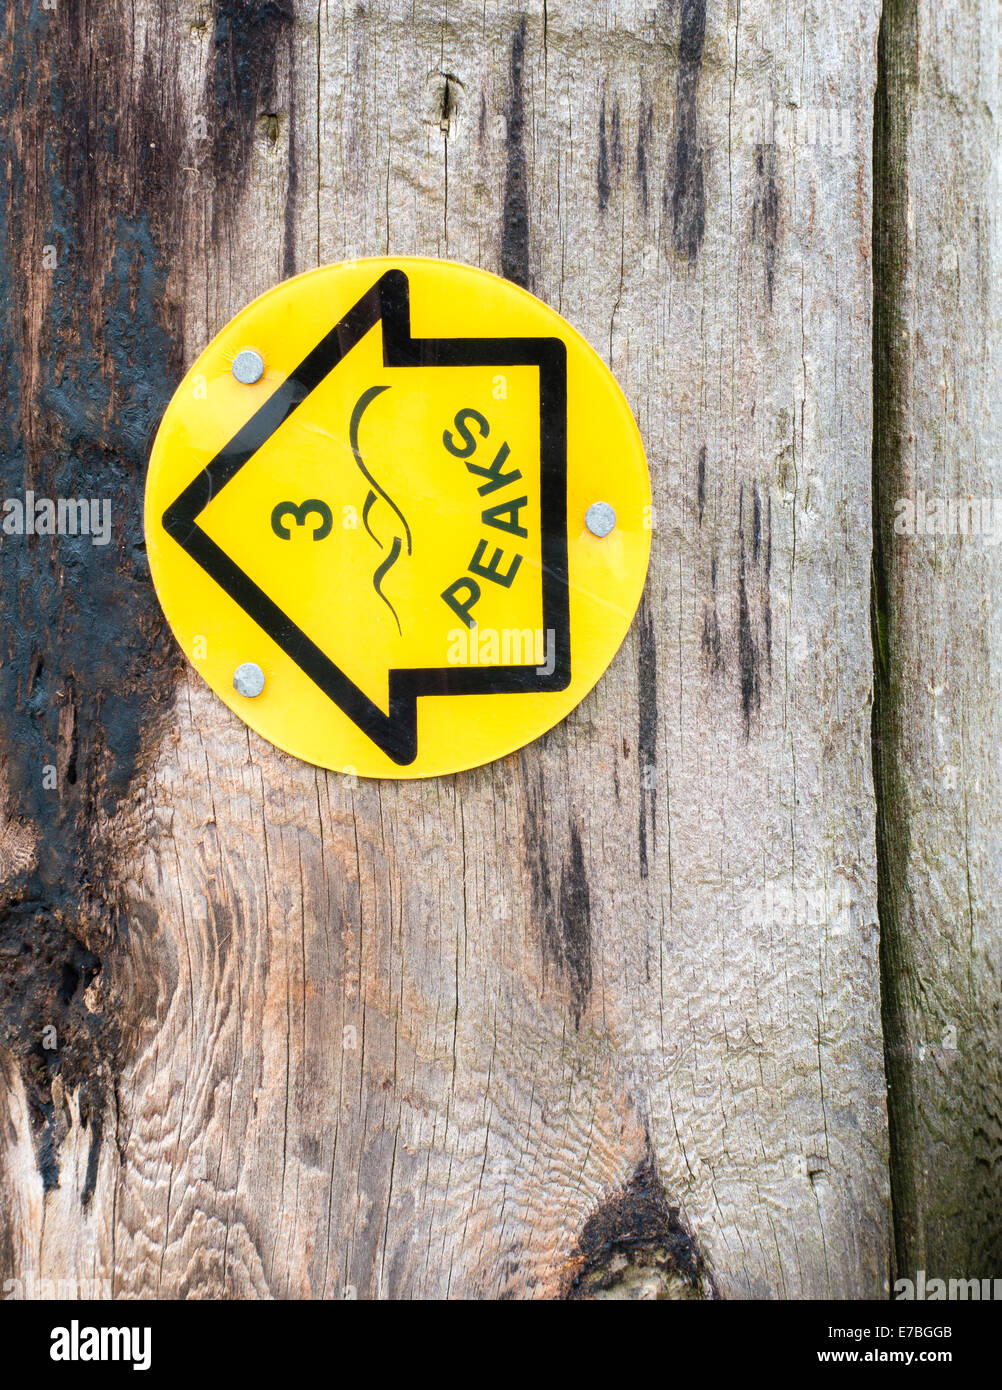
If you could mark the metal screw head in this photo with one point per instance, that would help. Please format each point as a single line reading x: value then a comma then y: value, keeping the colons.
x: 248, y: 679
x: 248, y: 366
x: 600, y: 518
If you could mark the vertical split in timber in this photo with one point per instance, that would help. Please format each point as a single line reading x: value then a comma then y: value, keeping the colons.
x: 937, y: 623
x: 602, y: 1017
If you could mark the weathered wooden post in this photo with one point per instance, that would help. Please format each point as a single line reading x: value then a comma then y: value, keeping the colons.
x: 605, y: 1015
x: 936, y: 590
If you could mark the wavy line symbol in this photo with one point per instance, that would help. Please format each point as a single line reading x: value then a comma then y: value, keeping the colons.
x: 374, y: 493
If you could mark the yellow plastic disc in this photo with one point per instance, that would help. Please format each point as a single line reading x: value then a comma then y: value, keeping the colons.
x: 398, y: 516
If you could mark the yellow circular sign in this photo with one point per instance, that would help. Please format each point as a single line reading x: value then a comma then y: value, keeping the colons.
x: 398, y: 516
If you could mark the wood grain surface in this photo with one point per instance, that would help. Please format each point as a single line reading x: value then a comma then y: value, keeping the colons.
x: 602, y: 1019
x: 939, y: 618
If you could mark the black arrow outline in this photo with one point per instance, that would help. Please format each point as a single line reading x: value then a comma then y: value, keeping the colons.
x: 388, y: 300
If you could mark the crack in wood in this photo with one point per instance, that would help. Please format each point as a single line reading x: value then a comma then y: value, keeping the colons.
x: 515, y: 213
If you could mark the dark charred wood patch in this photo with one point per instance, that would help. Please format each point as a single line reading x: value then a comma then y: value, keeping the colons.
x: 751, y: 694
x: 602, y: 172
x: 575, y: 926
x: 87, y: 665
x: 645, y: 127
x: 635, y: 1245
x: 687, y: 195
x: 710, y: 641
x: 242, y: 78
x: 761, y: 556
x: 539, y: 869
x: 647, y: 745
x: 616, y: 138
x: 451, y: 88
x: 58, y: 1042
x: 292, y: 186
x: 765, y: 213
x: 767, y: 579
x: 754, y: 606
x: 515, y: 212
x: 564, y: 915
x: 610, y: 151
